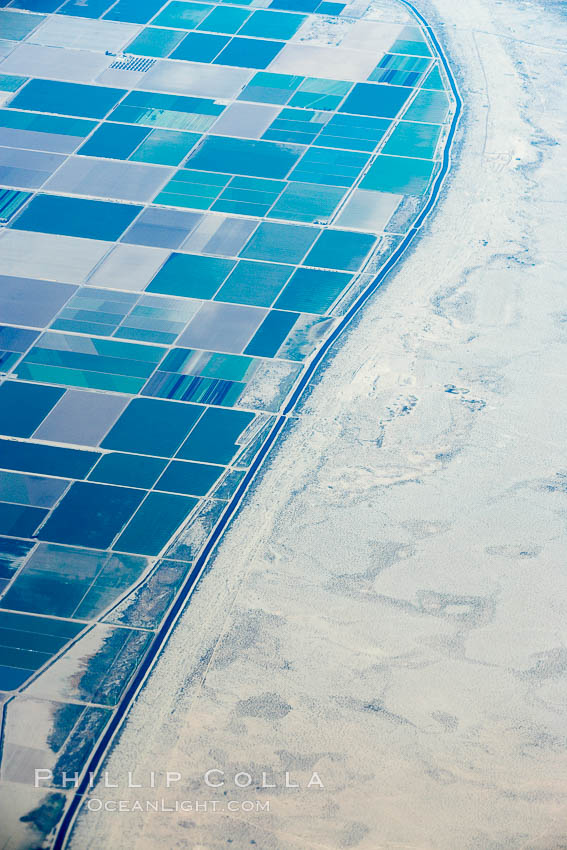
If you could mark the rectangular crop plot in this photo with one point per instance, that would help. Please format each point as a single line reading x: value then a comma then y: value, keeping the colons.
x: 377, y: 100
x: 415, y: 140
x: 340, y: 249
x: 308, y: 202
x: 191, y: 276
x: 154, y: 523
x: 282, y: 242
x: 182, y: 15
x: 154, y: 41
x: 329, y: 167
x: 241, y: 156
x: 76, y: 217
x: 215, y: 438
x: 67, y: 98
x: 399, y: 175
x: 312, y: 290
x: 249, y: 53
x: 253, y: 283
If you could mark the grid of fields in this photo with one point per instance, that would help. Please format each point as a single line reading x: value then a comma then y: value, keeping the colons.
x: 191, y: 195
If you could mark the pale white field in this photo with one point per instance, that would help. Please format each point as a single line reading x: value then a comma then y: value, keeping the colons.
x: 389, y: 608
